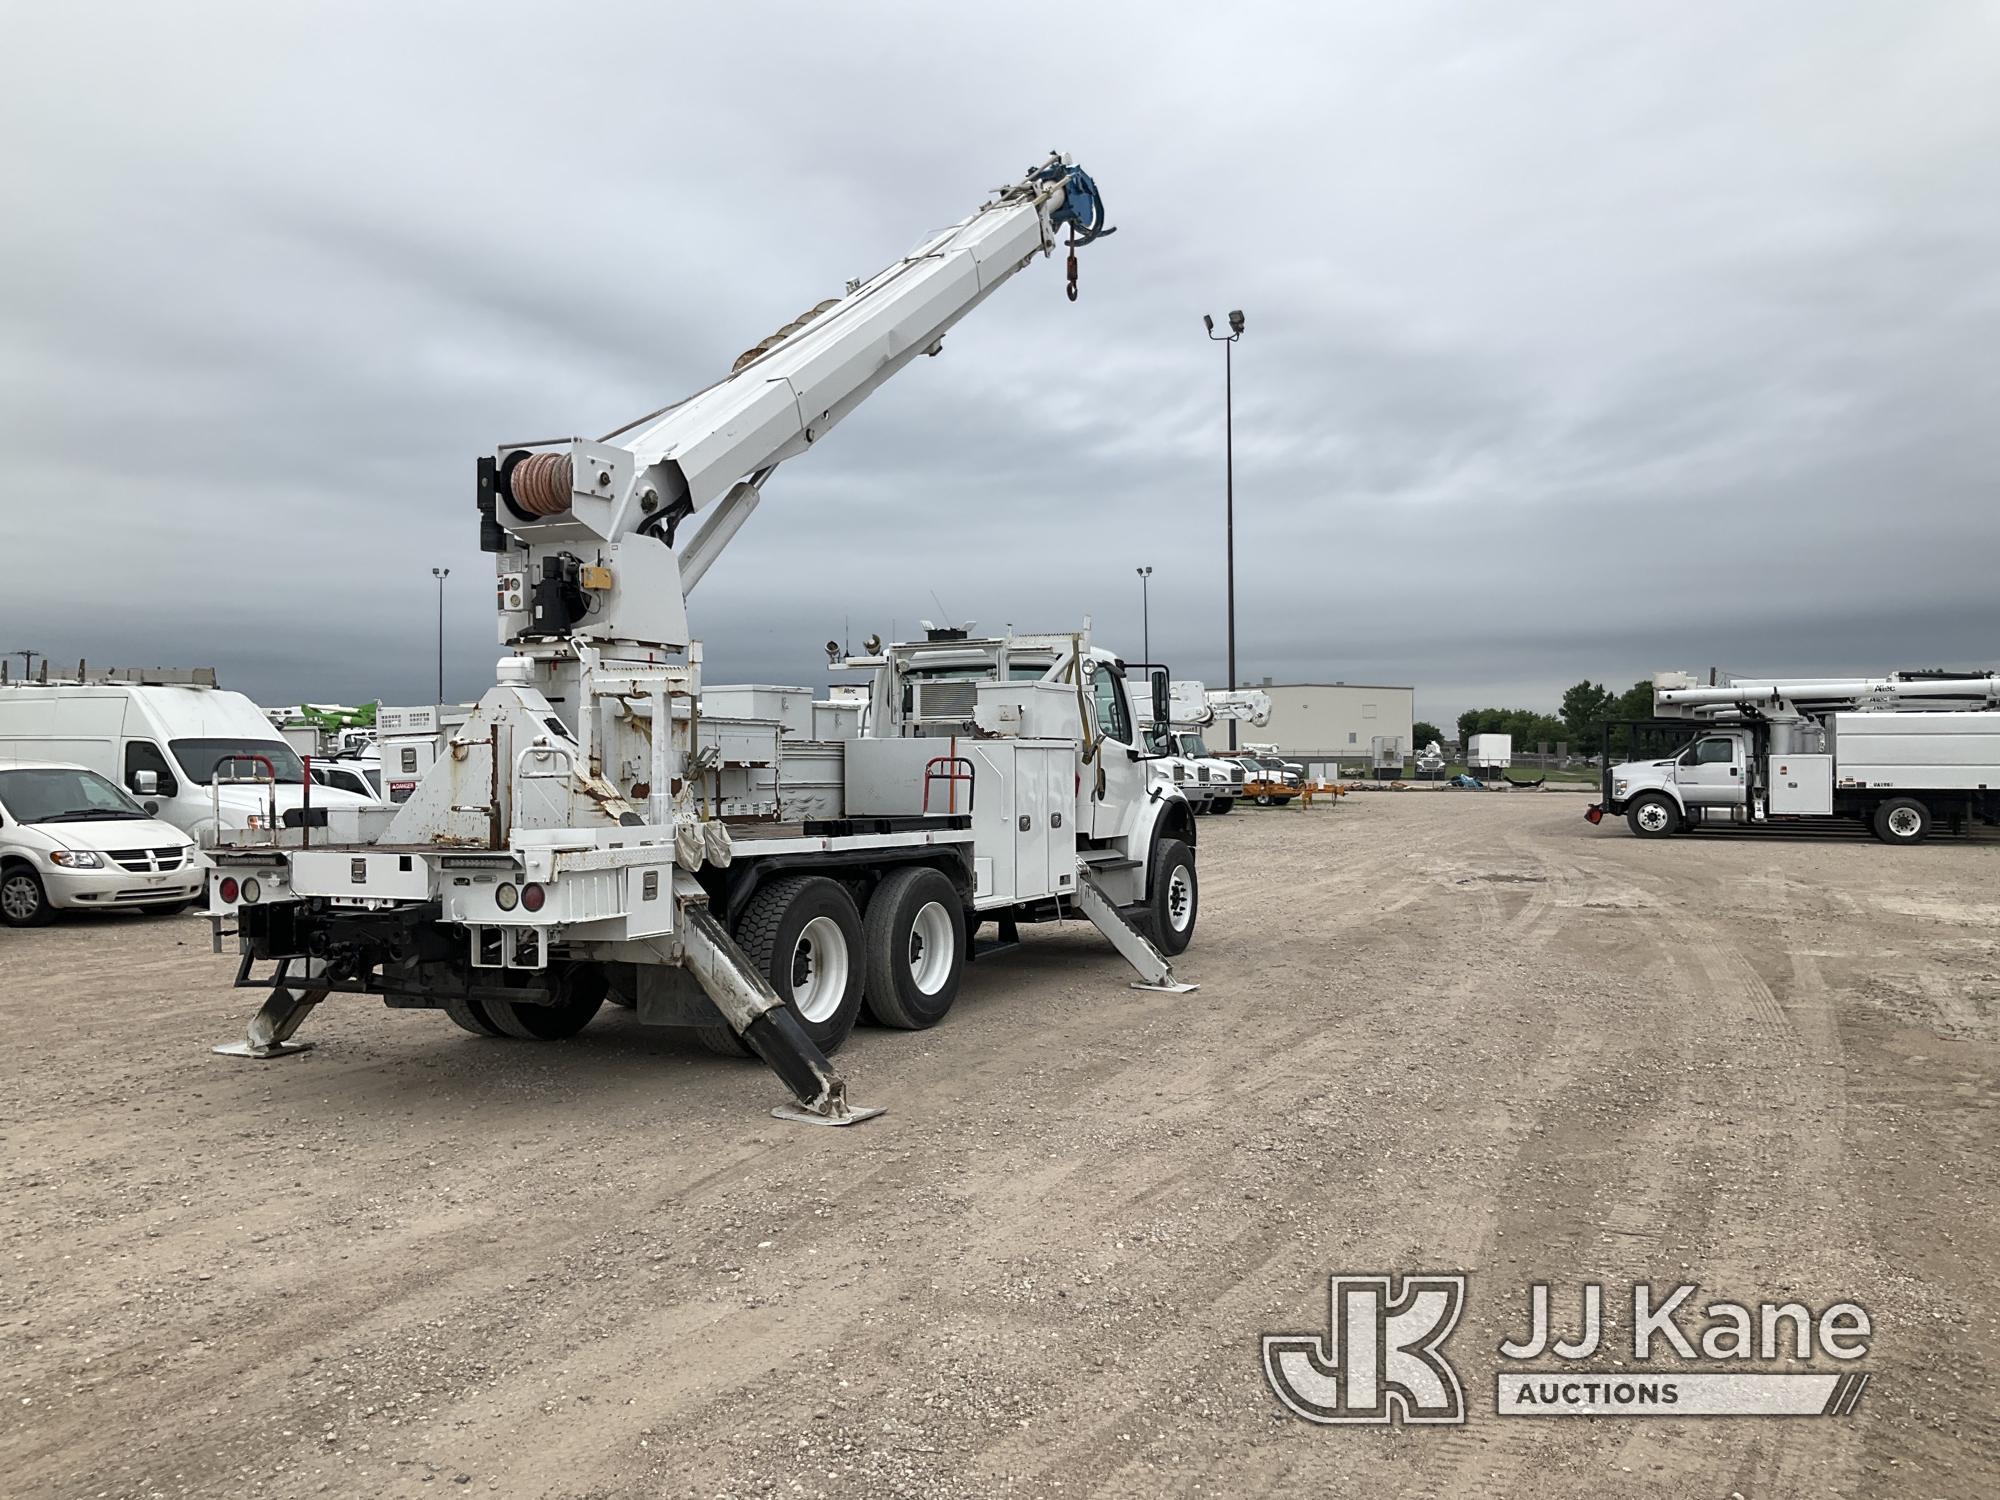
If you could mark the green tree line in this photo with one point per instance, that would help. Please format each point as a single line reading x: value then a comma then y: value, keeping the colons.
x: 1579, y: 722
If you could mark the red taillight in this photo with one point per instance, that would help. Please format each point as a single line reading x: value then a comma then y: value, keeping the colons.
x: 227, y: 890
x: 532, y: 897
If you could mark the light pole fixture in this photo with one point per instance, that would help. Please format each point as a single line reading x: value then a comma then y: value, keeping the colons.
x: 440, y: 574
x: 1228, y: 342
x: 1145, y: 614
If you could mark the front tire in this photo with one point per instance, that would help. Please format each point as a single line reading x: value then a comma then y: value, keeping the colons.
x: 23, y: 902
x: 1173, y: 897
x: 914, y: 938
x: 166, y: 908
x: 1223, y: 806
x: 1653, y: 817
x: 1902, y: 820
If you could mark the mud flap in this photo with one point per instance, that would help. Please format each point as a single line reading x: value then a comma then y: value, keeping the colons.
x: 1155, y: 972
x: 754, y: 1011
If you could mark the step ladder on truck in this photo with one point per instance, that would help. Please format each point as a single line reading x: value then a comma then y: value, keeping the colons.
x: 1897, y: 755
x: 564, y: 846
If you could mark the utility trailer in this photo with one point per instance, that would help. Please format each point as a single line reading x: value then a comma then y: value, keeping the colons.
x: 1897, y: 755
x: 578, y: 838
x: 1487, y: 755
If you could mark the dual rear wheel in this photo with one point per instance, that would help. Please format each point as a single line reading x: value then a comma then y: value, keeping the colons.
x: 900, y: 964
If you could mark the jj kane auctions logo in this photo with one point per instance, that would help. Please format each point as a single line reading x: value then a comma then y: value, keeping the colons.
x: 1382, y: 1359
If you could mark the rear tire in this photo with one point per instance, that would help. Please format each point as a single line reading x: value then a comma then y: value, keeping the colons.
x: 1653, y: 817
x: 804, y: 935
x: 470, y: 1015
x: 914, y: 938
x: 579, y: 995
x: 23, y: 902
x: 1902, y: 820
x: 1173, y: 897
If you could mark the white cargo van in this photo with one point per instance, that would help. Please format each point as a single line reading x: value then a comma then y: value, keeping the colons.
x: 163, y: 735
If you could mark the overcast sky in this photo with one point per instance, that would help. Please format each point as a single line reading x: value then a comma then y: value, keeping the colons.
x: 1583, y: 339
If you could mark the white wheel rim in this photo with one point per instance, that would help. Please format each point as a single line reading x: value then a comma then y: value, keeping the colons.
x: 931, y: 948
x: 819, y: 969
x: 1180, y: 899
x: 1904, y: 822
x: 18, y: 898
x: 1652, y: 816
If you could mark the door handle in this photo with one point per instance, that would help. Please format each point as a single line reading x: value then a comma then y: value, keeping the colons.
x: 1026, y: 822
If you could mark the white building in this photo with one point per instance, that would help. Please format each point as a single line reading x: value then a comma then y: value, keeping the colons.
x: 1335, y: 720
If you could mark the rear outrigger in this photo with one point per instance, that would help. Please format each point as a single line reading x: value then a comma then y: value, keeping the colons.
x: 568, y: 846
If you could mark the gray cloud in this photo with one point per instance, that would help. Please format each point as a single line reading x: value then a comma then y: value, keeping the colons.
x: 1582, y: 340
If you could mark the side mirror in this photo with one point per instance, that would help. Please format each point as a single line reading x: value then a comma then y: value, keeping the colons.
x: 1163, y: 708
x: 146, y: 783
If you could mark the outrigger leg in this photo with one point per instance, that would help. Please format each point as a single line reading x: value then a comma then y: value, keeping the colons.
x: 1155, y: 971
x: 757, y: 1015
x: 270, y: 1031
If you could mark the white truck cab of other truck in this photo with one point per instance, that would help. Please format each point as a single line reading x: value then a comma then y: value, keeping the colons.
x: 70, y: 840
x: 1223, y: 779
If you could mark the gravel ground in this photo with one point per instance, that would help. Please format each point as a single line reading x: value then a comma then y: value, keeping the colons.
x: 1433, y: 1032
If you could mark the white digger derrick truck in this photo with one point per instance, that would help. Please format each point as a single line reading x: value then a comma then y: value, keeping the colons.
x: 1895, y: 754
x: 567, y: 845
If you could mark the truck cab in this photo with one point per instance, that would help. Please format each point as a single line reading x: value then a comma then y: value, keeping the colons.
x: 1659, y: 797
x: 1221, y: 780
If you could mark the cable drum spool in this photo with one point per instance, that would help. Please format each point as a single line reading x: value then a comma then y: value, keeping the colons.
x: 541, y: 484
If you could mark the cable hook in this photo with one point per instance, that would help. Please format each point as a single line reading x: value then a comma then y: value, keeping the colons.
x: 1070, y: 290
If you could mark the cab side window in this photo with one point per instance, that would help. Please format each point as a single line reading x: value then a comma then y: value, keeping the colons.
x: 144, y: 755
x: 1715, y: 752
x: 1113, y: 719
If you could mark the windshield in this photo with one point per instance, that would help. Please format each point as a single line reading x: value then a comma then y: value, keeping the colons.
x: 1270, y: 762
x: 199, y: 759
x: 1192, y: 746
x: 57, y: 796
x: 1159, y: 744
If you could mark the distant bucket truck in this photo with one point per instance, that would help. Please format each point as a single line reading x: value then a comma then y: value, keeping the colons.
x: 1897, y: 755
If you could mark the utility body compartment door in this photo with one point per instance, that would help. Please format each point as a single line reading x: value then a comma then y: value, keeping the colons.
x: 1801, y: 785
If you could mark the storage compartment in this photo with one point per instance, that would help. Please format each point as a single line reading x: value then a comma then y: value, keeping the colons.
x: 790, y: 708
x: 836, y: 720
x: 1028, y: 710
x: 1021, y: 797
x: 811, y: 781
x: 1949, y: 751
x: 1801, y: 784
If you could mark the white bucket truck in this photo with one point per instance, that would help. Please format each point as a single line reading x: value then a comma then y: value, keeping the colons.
x: 1896, y: 754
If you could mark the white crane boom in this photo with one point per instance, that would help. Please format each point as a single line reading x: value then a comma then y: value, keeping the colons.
x: 789, y: 391
x: 1677, y: 694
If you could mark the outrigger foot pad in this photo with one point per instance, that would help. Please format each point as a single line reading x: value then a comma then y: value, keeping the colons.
x: 821, y: 1093
x: 1170, y: 987
x: 262, y: 1053
x: 844, y: 1114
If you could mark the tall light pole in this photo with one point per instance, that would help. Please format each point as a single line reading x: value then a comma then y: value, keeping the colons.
x: 440, y: 574
x: 1145, y: 614
x: 1228, y: 342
